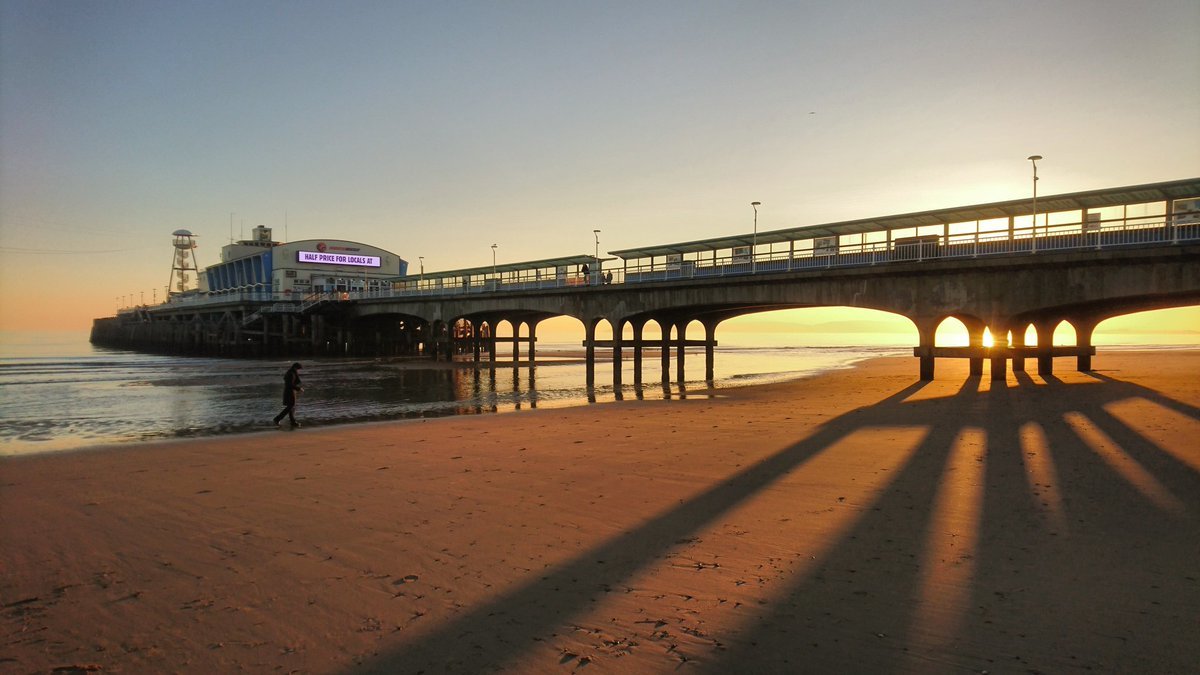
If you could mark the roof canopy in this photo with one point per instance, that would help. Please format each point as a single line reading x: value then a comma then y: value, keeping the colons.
x: 1136, y: 194
x: 548, y: 263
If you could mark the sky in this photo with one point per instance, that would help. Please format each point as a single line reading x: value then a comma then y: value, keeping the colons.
x: 438, y: 129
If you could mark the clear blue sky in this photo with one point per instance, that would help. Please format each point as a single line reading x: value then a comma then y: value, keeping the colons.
x: 437, y: 129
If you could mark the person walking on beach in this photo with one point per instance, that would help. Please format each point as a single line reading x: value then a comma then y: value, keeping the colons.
x: 291, y: 387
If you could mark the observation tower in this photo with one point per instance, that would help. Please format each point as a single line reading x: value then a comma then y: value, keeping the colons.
x: 183, y: 263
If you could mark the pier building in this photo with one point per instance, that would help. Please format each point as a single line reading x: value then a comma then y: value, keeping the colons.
x: 262, y: 266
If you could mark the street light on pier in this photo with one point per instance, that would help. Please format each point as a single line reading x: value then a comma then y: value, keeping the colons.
x: 596, y: 257
x: 754, y: 241
x: 493, y: 260
x: 1034, y: 160
x: 421, y: 279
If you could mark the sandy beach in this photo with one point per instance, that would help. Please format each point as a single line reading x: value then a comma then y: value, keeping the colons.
x: 859, y: 521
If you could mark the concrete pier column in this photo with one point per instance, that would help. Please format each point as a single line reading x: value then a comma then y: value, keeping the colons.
x: 492, y: 338
x: 476, y: 343
x: 1083, y: 340
x: 589, y: 339
x: 1045, y: 346
x: 446, y: 338
x: 666, y: 350
x: 532, y: 340
x: 1018, y: 342
x: 618, y: 327
x: 432, y: 344
x: 637, y: 351
x: 926, y: 331
x: 532, y: 356
x: 976, y: 342
x: 681, y: 340
x: 999, y: 366
x: 516, y: 340
x: 710, y: 341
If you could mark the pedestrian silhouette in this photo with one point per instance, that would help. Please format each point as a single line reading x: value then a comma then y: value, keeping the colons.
x: 291, y: 388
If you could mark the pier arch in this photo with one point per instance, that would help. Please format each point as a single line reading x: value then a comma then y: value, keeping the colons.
x: 1064, y: 333
x: 951, y: 332
x: 1179, y: 326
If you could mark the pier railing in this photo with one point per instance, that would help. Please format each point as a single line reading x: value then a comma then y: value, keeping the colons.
x: 1053, y: 238
x: 1045, y: 238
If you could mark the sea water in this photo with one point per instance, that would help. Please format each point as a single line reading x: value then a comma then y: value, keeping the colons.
x: 58, y: 392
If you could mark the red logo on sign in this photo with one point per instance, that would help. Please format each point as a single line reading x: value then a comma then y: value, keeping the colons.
x: 321, y: 247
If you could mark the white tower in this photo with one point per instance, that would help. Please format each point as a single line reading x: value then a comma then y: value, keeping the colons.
x: 183, y: 263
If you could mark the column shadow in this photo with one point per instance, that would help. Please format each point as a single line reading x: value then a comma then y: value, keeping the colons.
x: 504, y: 627
x: 1031, y: 597
x: 1110, y: 588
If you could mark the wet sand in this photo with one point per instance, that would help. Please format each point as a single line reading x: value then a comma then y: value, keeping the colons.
x: 859, y: 521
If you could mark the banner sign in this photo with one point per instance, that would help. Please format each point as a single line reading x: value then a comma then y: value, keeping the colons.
x: 337, y: 259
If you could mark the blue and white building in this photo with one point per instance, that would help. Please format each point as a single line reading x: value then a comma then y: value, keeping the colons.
x: 299, y: 268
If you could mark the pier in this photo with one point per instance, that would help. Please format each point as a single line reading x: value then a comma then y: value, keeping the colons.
x: 999, y: 268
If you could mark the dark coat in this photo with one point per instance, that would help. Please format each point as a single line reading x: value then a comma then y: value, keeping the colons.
x: 291, y: 385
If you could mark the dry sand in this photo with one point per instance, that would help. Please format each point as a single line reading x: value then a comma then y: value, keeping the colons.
x: 854, y: 522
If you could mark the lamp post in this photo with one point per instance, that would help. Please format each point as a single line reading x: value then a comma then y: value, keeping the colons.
x: 421, y: 279
x: 596, y: 257
x: 493, y: 260
x: 1034, y: 160
x: 754, y: 241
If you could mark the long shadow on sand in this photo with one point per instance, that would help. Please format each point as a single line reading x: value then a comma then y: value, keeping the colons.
x: 1044, y: 543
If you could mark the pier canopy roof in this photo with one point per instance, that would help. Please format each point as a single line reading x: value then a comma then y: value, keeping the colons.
x: 514, y: 269
x: 1078, y: 201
